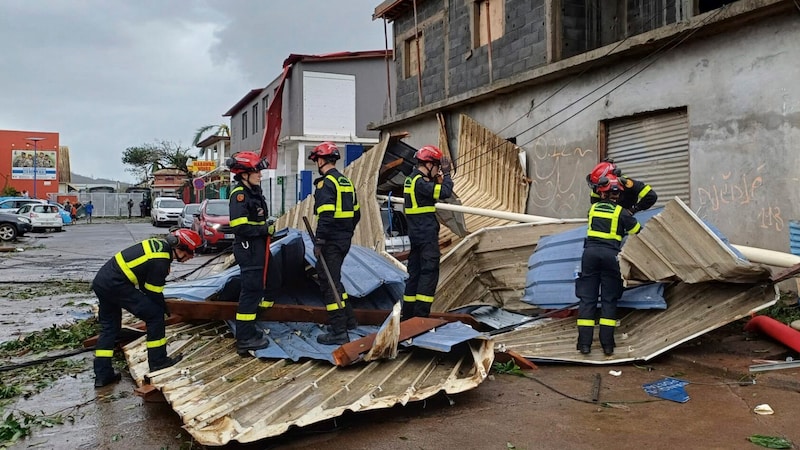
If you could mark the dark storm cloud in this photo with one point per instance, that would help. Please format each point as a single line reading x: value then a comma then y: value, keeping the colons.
x: 110, y: 75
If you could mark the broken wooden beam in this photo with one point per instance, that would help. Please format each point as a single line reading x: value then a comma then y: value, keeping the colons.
x: 350, y: 352
x: 215, y: 310
x: 786, y: 273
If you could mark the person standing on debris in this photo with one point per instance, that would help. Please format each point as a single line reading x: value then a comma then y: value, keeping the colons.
x: 130, y: 207
x: 250, y: 224
x: 89, y: 208
x: 429, y: 182
x: 600, y: 275
x: 637, y: 196
x: 134, y: 279
x: 337, y: 210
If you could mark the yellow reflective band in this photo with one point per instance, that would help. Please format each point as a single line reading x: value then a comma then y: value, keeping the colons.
x: 344, y: 297
x: 594, y: 194
x: 266, y: 304
x: 409, y: 298
x: 600, y: 211
x: 154, y: 288
x: 104, y: 353
x: 437, y: 191
x: 637, y: 228
x: 343, y: 186
x: 425, y: 298
x: 409, y: 188
x: 244, y: 221
x: 608, y: 322
x: 125, y: 269
x: 644, y: 191
x: 245, y: 317
x: 159, y: 343
x: 236, y: 189
x: 332, y: 306
x: 585, y: 322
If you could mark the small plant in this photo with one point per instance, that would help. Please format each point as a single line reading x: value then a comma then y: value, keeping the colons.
x: 509, y: 368
x: 785, y: 310
x: 13, y: 428
x: 53, y: 338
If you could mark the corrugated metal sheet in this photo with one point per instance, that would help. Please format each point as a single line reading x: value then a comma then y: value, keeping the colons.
x: 654, y: 148
x: 489, y: 266
x: 222, y: 397
x: 794, y: 237
x: 677, y: 245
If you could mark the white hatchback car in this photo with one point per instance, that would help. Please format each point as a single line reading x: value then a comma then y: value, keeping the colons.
x: 42, y: 216
x: 166, y: 210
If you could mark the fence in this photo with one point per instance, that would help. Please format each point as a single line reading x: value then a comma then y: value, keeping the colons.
x: 108, y: 204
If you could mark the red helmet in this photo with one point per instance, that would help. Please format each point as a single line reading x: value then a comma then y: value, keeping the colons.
x: 610, y: 183
x: 244, y: 162
x: 326, y: 150
x: 601, y: 170
x: 429, y: 153
x: 185, y: 239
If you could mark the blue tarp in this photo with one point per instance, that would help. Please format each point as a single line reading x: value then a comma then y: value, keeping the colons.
x: 668, y: 388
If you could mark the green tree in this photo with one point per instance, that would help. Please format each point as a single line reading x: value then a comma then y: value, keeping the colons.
x: 145, y: 159
x: 221, y: 130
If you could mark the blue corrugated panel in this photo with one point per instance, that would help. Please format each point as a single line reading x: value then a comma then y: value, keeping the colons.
x: 443, y: 338
x: 794, y: 237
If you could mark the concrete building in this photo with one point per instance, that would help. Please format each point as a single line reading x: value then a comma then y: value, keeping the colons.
x: 332, y: 97
x: 699, y: 98
x: 29, y: 161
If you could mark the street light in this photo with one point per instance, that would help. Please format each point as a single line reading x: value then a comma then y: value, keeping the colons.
x: 35, y: 160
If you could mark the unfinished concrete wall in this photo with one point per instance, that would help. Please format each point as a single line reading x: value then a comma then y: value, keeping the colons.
x: 743, y: 101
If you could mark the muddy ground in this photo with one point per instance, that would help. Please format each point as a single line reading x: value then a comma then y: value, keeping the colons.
x: 47, y: 284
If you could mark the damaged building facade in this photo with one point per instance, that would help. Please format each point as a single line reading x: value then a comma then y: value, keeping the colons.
x: 700, y: 99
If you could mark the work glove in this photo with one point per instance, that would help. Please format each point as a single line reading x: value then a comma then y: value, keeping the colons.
x: 271, y: 226
x: 447, y: 166
x: 318, y: 243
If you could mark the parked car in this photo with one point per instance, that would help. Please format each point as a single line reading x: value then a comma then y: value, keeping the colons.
x: 42, y: 216
x: 166, y: 210
x: 66, y: 216
x: 14, y: 203
x: 13, y: 226
x: 212, y: 222
x: 187, y: 215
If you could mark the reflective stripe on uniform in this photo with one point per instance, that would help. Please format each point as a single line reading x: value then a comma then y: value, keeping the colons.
x: 150, y: 252
x: 409, y: 298
x: 425, y: 298
x: 608, y: 322
x: 245, y: 317
x: 338, y: 209
x: 409, y: 188
x: 244, y: 221
x: 644, y: 191
x: 585, y: 322
x: 104, y: 353
x: 157, y: 343
x: 154, y: 288
x: 266, y: 304
x: 601, y: 211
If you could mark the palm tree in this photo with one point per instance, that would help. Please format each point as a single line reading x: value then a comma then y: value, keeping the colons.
x: 221, y: 130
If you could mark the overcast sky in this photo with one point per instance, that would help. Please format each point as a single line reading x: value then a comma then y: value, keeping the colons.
x: 107, y: 75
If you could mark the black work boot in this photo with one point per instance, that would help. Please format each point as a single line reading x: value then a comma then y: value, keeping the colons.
x: 104, y: 373
x: 157, y: 359
x: 257, y: 342
x: 585, y: 336
x: 607, y: 339
x: 422, y: 309
x: 338, y: 329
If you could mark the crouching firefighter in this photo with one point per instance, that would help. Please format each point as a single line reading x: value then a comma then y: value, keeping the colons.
x: 134, y: 280
x: 251, y: 227
x: 600, y: 274
x: 337, y: 210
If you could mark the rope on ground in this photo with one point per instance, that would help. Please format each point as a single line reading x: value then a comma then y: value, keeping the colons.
x: 46, y: 359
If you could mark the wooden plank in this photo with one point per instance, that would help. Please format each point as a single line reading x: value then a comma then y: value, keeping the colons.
x: 786, y: 273
x: 214, y: 310
x: 348, y: 353
x: 129, y: 332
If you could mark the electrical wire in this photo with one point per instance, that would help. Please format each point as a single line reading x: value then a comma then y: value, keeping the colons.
x: 46, y: 359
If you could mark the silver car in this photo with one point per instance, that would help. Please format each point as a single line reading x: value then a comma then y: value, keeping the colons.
x: 187, y: 215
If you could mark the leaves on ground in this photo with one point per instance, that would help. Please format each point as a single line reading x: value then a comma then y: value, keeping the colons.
x: 770, y: 441
x: 510, y: 367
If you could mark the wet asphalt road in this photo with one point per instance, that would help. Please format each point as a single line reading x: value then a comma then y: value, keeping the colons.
x: 505, y: 412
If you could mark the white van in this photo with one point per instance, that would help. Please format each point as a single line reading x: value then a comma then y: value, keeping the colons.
x: 166, y: 210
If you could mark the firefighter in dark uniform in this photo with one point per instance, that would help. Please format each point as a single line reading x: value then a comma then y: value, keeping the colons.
x: 337, y: 210
x: 251, y: 226
x: 600, y: 275
x: 134, y: 279
x: 637, y: 196
x: 429, y: 182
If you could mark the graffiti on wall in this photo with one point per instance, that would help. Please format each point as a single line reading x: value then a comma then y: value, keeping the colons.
x: 735, y: 190
x: 557, y: 180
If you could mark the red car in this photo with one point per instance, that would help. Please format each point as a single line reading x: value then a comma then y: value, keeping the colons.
x: 213, y: 223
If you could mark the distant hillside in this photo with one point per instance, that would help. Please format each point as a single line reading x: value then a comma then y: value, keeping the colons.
x: 80, y: 179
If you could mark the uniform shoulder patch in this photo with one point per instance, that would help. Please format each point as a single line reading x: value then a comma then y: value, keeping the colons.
x: 628, y: 183
x: 320, y: 183
x: 239, y: 197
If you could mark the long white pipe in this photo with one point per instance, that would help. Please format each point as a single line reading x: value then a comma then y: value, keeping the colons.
x: 505, y: 215
x: 753, y: 254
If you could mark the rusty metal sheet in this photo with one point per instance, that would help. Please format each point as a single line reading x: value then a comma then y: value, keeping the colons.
x: 222, y: 398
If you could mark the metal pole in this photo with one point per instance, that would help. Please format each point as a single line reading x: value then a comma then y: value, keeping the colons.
x: 35, y: 160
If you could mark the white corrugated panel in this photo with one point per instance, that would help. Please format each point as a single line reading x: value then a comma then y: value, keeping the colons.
x: 654, y: 149
x: 329, y: 104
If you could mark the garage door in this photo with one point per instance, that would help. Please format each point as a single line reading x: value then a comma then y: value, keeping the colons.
x: 654, y: 149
